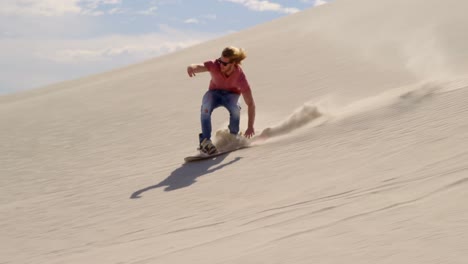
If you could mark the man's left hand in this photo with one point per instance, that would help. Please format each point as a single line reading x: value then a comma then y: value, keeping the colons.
x: 250, y: 132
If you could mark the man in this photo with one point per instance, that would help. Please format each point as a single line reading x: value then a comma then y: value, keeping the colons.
x: 227, y: 83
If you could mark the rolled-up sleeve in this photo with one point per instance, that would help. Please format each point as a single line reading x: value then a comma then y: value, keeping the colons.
x: 209, y: 65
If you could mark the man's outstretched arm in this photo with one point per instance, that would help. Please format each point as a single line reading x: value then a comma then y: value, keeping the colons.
x: 196, y: 68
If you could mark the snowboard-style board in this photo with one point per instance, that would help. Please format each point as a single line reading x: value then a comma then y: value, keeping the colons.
x: 200, y: 156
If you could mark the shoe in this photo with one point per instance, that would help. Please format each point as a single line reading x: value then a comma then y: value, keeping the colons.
x: 207, y: 147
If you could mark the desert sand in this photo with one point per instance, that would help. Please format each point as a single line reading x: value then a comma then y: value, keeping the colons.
x: 365, y: 106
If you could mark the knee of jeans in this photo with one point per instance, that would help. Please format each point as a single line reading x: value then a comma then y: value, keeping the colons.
x: 205, y: 111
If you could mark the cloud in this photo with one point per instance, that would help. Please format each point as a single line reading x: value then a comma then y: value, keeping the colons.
x: 54, y: 59
x: 320, y: 2
x: 41, y: 8
x: 210, y: 16
x: 191, y: 21
x: 52, y: 8
x: 149, y: 12
x: 109, y: 47
x: 316, y: 2
x: 115, y: 48
x: 262, y: 6
x: 116, y: 11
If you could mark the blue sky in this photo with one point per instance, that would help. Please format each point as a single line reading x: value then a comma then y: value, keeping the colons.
x: 48, y: 41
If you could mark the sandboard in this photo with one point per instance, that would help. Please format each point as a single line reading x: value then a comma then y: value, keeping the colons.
x: 201, y: 156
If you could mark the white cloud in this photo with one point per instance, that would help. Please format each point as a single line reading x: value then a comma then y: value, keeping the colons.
x: 191, y: 21
x: 315, y: 2
x: 41, y: 8
x: 115, y: 11
x: 53, y: 7
x: 115, y: 48
x: 94, y: 4
x: 264, y: 5
x: 111, y: 47
x: 210, y: 16
x: 149, y: 12
x: 319, y: 2
x: 49, y: 60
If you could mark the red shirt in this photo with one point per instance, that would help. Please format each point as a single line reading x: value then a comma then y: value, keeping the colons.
x: 236, y: 82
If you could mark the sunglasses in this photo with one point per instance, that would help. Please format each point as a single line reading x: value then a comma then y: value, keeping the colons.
x: 222, y: 62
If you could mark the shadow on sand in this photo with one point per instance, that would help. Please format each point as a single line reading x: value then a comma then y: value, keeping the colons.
x: 187, y: 174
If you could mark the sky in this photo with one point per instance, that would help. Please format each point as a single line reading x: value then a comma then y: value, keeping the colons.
x: 48, y: 41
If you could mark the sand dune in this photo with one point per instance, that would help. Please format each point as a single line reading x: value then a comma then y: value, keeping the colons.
x: 364, y: 107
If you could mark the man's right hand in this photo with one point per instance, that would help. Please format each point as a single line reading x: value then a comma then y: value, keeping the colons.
x: 191, y: 71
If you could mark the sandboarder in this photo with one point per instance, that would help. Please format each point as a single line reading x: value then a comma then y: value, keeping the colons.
x: 228, y: 82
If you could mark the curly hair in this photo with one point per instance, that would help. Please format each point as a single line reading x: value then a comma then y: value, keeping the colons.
x: 234, y: 54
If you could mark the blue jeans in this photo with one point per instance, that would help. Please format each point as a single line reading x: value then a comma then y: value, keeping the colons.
x: 214, y: 99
